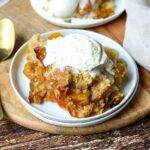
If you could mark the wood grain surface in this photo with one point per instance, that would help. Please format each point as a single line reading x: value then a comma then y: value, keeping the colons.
x: 12, y: 136
x: 134, y: 137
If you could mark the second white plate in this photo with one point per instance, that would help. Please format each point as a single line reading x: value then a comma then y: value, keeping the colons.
x: 38, y: 5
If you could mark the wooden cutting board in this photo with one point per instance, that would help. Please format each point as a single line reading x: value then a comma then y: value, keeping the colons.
x: 28, y: 23
x: 137, y: 109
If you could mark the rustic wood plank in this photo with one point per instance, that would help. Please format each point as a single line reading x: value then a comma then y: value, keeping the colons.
x: 136, y: 136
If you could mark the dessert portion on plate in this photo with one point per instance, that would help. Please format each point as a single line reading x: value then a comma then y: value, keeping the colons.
x: 75, y: 71
x: 67, y: 9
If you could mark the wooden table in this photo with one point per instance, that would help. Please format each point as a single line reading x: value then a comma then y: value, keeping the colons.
x: 135, y: 137
x: 12, y: 136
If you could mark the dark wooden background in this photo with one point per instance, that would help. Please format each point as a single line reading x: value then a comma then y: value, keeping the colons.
x: 13, y: 136
x: 133, y: 137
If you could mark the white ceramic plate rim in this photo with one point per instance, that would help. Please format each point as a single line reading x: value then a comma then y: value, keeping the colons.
x: 77, y: 24
x: 83, y: 119
x: 80, y: 124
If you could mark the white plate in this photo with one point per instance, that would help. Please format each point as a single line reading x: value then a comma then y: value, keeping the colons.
x: 20, y: 82
x: 77, y: 23
x: 80, y: 124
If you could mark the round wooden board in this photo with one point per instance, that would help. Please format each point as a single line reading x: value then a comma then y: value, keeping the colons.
x: 137, y: 109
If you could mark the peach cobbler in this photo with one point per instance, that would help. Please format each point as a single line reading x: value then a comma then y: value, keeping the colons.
x: 75, y: 71
x: 94, y: 9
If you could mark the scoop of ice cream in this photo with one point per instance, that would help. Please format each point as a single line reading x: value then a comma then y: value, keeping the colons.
x: 79, y: 52
x: 63, y: 8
